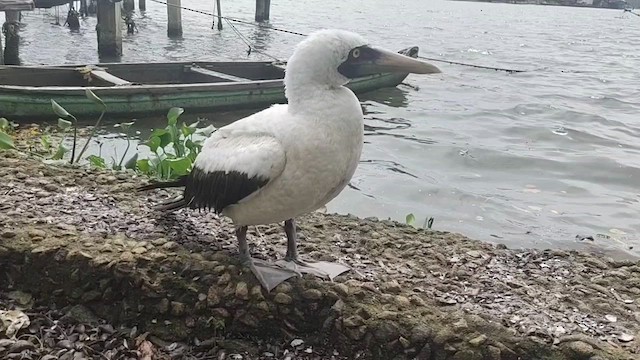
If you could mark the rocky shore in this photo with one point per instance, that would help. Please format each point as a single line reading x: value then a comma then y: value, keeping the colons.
x: 101, y: 276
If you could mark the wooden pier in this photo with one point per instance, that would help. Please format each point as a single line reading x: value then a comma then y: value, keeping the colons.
x: 110, y: 21
x: 12, y: 9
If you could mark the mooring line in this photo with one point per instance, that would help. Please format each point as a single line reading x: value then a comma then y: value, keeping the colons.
x: 301, y: 34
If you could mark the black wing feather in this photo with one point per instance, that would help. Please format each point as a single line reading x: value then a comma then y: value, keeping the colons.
x: 209, y: 190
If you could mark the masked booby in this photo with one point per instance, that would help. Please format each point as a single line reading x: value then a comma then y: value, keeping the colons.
x: 291, y: 159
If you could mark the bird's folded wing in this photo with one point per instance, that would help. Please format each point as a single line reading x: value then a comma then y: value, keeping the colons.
x: 233, y: 166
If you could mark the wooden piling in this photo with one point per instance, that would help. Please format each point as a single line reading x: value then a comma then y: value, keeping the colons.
x: 109, y: 29
x: 92, y: 9
x: 262, y: 10
x: 12, y: 43
x: 219, y: 9
x: 84, y: 8
x: 1, y: 52
x: 142, y: 5
x: 174, y: 18
x: 128, y: 5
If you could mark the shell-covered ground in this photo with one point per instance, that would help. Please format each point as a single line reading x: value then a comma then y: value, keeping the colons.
x: 102, y: 276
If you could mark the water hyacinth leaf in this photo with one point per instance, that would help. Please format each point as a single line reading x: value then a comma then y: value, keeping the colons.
x: 410, y: 219
x: 188, y: 130
x: 97, y: 161
x: 6, y: 142
x: 131, y: 163
x: 143, y: 166
x: 60, y: 152
x: 153, y: 143
x: 173, y: 115
x: 64, y: 124
x: 164, y: 136
x: 60, y: 111
x: 93, y: 97
x: 180, y: 166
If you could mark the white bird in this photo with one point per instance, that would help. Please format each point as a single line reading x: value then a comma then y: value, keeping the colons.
x: 291, y: 159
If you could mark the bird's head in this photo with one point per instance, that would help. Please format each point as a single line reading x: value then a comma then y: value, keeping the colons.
x: 332, y: 57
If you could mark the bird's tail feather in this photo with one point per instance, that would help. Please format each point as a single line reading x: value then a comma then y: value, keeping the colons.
x: 172, y: 205
x: 182, y: 181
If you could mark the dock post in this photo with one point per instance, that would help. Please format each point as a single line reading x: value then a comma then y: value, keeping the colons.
x: 219, y: 9
x: 84, y: 9
x: 92, y: 9
x: 262, y: 10
x: 1, y: 52
x: 109, y: 29
x: 129, y: 5
x: 174, y: 18
x: 10, y: 30
x: 142, y: 5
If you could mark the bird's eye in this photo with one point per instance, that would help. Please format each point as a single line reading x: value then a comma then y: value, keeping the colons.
x: 355, y: 53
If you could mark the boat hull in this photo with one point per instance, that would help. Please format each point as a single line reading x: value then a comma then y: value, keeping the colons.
x: 145, y: 89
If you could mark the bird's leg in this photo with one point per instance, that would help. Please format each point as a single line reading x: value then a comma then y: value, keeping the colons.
x: 268, y: 275
x: 293, y: 262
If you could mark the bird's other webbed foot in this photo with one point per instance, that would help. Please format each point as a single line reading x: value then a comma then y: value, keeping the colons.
x: 323, y: 269
x: 269, y: 275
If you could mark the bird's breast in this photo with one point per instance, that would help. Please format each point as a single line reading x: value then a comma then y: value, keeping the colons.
x: 321, y: 158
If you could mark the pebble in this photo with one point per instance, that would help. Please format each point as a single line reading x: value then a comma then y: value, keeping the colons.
x: 624, y: 337
x: 242, y: 291
x: 139, y: 250
x: 20, y: 346
x: 312, y: 294
x: 282, y: 298
x: 479, y: 340
x: 8, y: 234
x: 391, y: 287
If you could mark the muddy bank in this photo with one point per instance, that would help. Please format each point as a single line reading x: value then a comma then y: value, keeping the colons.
x: 72, y: 237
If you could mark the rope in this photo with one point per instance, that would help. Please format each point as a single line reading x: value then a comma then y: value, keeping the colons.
x: 229, y: 19
x: 510, y: 71
x: 631, y: 12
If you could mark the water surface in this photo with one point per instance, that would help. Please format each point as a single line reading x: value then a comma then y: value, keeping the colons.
x: 528, y: 159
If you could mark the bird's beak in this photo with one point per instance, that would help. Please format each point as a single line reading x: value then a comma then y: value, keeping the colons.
x: 371, y: 60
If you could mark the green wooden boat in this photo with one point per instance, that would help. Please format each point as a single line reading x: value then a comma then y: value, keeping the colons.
x: 147, y: 88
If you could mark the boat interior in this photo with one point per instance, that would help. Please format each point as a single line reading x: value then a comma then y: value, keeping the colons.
x: 140, y: 74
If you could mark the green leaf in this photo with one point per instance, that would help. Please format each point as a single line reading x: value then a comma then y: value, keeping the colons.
x: 410, y: 219
x: 164, y: 136
x: 206, y: 131
x: 60, y: 152
x: 60, y: 111
x: 45, y: 141
x: 153, y: 143
x: 188, y: 130
x: 179, y: 166
x: 173, y: 115
x: 97, y: 161
x: 64, y: 124
x: 93, y: 97
x: 144, y: 166
x: 4, y: 124
x: 131, y: 163
x: 6, y: 142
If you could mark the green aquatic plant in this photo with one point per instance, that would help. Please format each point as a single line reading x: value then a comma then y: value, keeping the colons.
x: 410, y: 219
x: 175, y: 147
x: 6, y: 128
